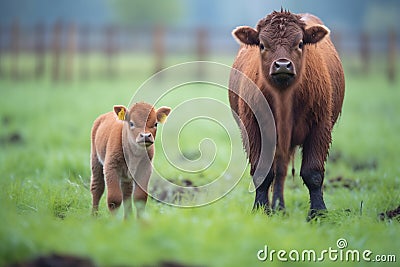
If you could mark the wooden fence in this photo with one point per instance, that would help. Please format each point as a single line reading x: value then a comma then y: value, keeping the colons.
x: 63, y: 51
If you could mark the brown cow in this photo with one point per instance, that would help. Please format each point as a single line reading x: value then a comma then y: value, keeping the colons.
x: 292, y: 60
x: 122, y: 150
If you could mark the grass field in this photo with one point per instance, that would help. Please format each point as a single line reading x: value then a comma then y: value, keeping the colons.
x: 45, y: 173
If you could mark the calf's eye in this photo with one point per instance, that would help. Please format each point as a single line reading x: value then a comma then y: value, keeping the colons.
x: 155, y: 125
x: 262, y: 47
x: 131, y: 124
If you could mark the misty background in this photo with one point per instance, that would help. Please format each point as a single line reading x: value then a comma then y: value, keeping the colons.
x: 71, y: 32
x: 370, y: 15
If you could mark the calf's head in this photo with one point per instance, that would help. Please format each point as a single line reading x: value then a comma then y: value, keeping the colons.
x: 141, y: 121
x: 281, y: 38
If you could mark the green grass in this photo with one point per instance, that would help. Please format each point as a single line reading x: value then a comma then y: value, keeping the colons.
x: 45, y: 200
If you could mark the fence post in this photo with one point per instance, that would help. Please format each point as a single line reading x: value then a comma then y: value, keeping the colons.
x: 84, y: 51
x: 201, y: 40
x: 70, y: 51
x: 392, y: 71
x: 365, y: 52
x: 56, y: 50
x: 110, y: 49
x: 337, y: 41
x: 159, y: 47
x: 39, y: 50
x: 15, y: 48
x: 1, y: 50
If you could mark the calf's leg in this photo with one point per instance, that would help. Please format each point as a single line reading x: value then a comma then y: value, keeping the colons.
x: 142, y: 177
x: 140, y: 199
x: 127, y: 189
x: 114, y: 194
x: 96, y: 183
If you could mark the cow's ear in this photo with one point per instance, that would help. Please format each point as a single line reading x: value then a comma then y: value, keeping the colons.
x: 121, y: 112
x: 162, y: 114
x: 246, y: 35
x: 315, y: 34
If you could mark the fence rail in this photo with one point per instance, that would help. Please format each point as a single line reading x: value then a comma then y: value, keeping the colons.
x: 65, y: 49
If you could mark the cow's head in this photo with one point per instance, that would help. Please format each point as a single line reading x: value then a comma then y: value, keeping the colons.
x: 281, y: 38
x: 141, y: 121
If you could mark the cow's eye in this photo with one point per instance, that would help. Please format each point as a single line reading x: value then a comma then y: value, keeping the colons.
x: 301, y: 44
x: 155, y: 125
x: 131, y: 124
x: 262, y: 47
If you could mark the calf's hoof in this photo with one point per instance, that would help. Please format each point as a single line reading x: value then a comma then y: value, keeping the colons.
x: 95, y: 213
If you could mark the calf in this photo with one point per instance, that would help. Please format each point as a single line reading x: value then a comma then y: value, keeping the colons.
x: 121, y: 152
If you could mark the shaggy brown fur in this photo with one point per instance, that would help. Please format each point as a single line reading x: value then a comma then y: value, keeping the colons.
x: 120, y: 139
x: 293, y: 62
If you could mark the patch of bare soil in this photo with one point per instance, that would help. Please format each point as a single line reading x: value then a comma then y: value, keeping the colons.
x: 391, y: 214
x: 171, y: 194
x: 341, y: 182
x: 56, y: 260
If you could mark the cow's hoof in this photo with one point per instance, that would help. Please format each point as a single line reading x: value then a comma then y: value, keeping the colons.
x: 315, y: 215
x: 265, y: 209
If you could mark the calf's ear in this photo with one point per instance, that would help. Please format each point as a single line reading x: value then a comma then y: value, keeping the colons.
x: 121, y: 112
x: 246, y: 35
x: 162, y: 114
x: 315, y: 34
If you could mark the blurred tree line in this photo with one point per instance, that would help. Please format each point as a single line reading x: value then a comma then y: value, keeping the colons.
x: 145, y: 13
x: 370, y: 15
x: 361, y: 15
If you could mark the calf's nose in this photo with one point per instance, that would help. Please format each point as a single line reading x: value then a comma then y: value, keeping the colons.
x: 282, y: 66
x: 145, y: 135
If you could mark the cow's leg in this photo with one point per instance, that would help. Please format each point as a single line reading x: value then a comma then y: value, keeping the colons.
x: 96, y: 183
x: 315, y: 151
x: 114, y: 194
x: 127, y: 189
x: 262, y: 196
x: 278, y: 202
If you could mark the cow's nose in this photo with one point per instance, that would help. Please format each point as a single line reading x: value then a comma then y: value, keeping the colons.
x: 145, y: 135
x: 282, y: 66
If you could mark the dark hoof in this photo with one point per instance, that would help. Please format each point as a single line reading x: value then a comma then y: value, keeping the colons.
x: 265, y: 209
x: 315, y: 215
